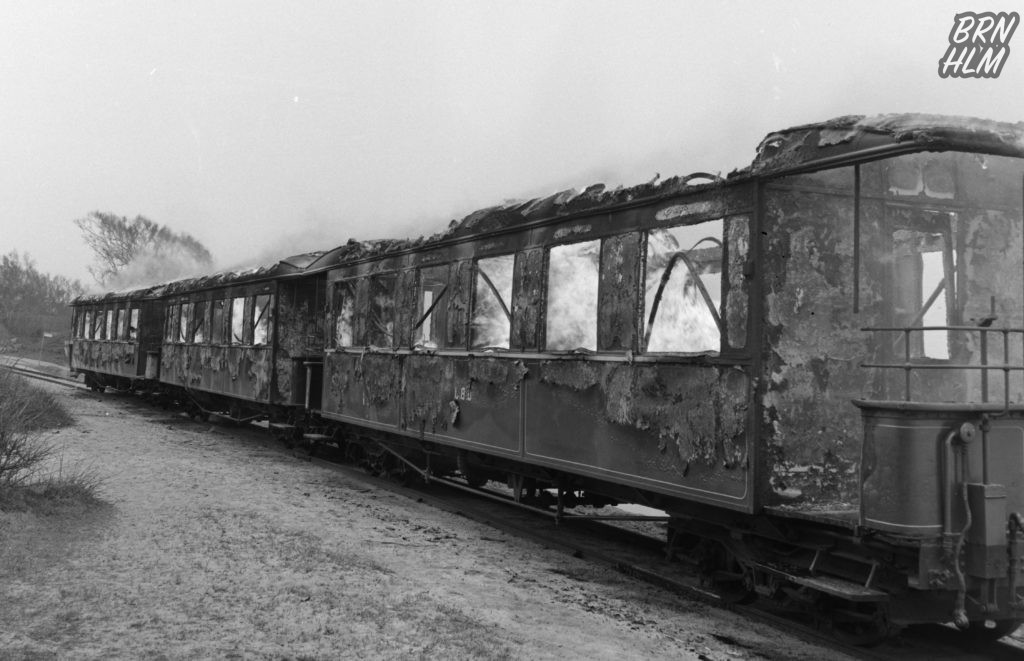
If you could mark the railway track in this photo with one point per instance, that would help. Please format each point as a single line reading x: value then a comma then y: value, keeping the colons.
x: 43, y: 376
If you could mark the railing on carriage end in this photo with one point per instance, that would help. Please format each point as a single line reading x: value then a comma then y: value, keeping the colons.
x: 911, y: 364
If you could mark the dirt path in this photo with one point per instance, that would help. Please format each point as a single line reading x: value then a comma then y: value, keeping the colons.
x: 218, y: 545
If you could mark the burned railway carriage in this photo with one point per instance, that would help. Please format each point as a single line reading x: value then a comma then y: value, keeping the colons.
x: 815, y: 366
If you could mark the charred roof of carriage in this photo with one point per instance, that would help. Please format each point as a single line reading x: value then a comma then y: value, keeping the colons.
x: 839, y: 141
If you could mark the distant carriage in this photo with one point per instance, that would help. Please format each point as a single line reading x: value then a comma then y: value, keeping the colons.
x: 814, y: 366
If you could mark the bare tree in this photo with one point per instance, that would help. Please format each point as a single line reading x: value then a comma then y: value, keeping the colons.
x: 30, y: 300
x: 141, y: 247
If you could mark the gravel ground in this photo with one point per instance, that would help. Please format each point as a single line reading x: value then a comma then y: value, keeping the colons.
x: 217, y: 544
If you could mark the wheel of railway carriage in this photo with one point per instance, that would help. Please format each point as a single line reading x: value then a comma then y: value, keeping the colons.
x: 470, y: 474
x: 723, y: 573
x: 979, y: 632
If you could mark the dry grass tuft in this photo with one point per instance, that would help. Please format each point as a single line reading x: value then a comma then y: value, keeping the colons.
x: 28, y: 481
x: 27, y: 408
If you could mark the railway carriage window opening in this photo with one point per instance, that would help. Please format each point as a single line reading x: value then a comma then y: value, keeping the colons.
x: 217, y: 321
x: 429, y: 330
x: 185, y: 323
x: 98, y: 325
x: 261, y: 323
x: 925, y: 283
x: 573, y: 276
x: 133, y: 325
x: 683, y: 288
x: 171, y: 323
x: 381, y: 321
x: 116, y: 333
x: 87, y: 325
x: 237, y: 321
x: 122, y: 323
x: 109, y: 332
x: 491, y: 322
x: 343, y: 311
x: 200, y: 321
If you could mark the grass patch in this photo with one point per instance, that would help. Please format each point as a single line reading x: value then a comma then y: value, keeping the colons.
x: 28, y: 481
x: 69, y: 492
x: 26, y: 408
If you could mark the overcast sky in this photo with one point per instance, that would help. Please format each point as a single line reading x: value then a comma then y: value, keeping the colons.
x: 267, y: 128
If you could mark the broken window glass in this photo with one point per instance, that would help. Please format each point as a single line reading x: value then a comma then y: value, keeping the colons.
x: 572, y: 296
x: 118, y: 323
x: 200, y: 321
x: 88, y: 329
x: 381, y: 320
x: 343, y: 310
x: 683, y: 288
x: 217, y: 309
x: 429, y: 329
x: 133, y: 325
x: 261, y: 320
x: 491, y: 323
x: 237, y: 321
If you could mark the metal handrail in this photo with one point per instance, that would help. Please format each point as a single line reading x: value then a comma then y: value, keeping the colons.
x: 908, y: 366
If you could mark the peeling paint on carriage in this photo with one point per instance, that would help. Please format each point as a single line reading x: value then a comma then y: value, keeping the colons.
x: 243, y: 372
x: 118, y: 358
x: 700, y: 411
x: 498, y: 372
x: 572, y: 374
x: 814, y: 343
x: 429, y: 385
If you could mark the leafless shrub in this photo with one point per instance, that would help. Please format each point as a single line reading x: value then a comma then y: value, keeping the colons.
x: 28, y: 478
x: 22, y: 453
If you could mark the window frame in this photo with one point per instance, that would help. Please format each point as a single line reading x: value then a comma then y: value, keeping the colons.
x: 717, y: 312
x: 200, y: 322
x: 599, y: 240
x: 185, y: 323
x: 132, y: 331
x: 219, y: 334
x: 108, y: 323
x: 373, y: 333
x: 432, y: 317
x: 508, y: 307
x: 350, y: 286
x: 264, y: 319
x: 172, y: 323
x: 238, y: 317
